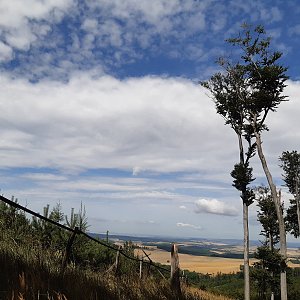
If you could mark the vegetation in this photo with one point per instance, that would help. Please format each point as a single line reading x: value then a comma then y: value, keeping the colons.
x: 266, y: 271
x: 202, y: 250
x: 32, y: 252
x: 232, y: 285
x: 32, y: 268
x: 244, y: 94
x: 38, y: 258
x: 291, y: 168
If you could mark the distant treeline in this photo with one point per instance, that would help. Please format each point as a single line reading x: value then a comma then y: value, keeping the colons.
x: 201, y: 250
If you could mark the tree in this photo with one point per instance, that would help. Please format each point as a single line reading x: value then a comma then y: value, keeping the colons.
x: 266, y: 271
x: 292, y: 225
x: 246, y: 92
x: 77, y: 219
x: 48, y: 234
x: 267, y: 217
x: 291, y: 176
x: 227, y: 90
x: 13, y: 223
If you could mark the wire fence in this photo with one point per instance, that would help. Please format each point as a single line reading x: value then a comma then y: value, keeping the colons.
x: 80, y: 232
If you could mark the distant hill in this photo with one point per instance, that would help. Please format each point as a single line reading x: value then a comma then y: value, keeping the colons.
x: 161, y: 239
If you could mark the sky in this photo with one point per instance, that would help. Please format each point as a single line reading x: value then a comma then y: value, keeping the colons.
x: 101, y: 105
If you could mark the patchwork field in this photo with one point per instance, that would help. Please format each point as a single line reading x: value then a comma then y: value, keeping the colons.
x: 200, y: 264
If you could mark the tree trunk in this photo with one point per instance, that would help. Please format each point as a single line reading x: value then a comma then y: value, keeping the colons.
x: 277, y: 202
x: 271, y: 242
x: 246, y: 229
x: 283, y: 249
x: 297, y: 204
x: 246, y: 253
x: 272, y: 296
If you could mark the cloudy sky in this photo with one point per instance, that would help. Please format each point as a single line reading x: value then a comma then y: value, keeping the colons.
x: 100, y: 104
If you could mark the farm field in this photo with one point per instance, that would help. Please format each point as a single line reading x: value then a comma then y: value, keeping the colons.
x: 200, y: 264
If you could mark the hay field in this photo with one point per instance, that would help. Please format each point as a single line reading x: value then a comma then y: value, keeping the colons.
x: 205, y: 264
x: 200, y: 264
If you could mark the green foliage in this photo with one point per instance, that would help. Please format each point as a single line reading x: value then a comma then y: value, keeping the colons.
x: 263, y: 77
x: 230, y: 285
x: 270, y: 260
x: 290, y: 163
x: 32, y: 251
x: 249, y: 89
x: 227, y: 89
x: 77, y: 219
x: 266, y: 271
x: 31, y: 269
x: 267, y: 216
x: 242, y: 177
x: 13, y: 223
x: 47, y: 234
x: 291, y: 219
x: 244, y: 93
x: 291, y: 168
x: 47, y: 237
x: 28, y: 266
x: 87, y: 254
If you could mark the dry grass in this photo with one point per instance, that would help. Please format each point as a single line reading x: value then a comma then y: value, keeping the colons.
x: 28, y: 271
x: 25, y: 275
x: 203, y: 295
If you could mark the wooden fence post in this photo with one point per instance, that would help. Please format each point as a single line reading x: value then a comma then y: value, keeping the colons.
x: 117, y: 261
x: 148, y: 265
x: 141, y: 269
x: 107, y: 236
x: 175, y: 280
x: 68, y: 248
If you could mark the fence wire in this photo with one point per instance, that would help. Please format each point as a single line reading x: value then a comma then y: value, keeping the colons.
x: 78, y: 231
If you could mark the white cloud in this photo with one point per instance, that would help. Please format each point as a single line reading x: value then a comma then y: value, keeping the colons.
x: 150, y: 124
x: 16, y: 18
x: 155, y: 124
x: 20, y: 38
x: 186, y: 225
x: 6, y: 52
x: 152, y: 11
x: 136, y: 171
x: 43, y: 177
x: 129, y: 27
x: 213, y: 206
x: 90, y: 25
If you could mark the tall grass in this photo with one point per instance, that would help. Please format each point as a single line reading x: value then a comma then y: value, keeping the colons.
x: 29, y: 273
x: 31, y: 256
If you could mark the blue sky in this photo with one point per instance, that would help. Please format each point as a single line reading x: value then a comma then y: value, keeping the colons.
x: 100, y: 104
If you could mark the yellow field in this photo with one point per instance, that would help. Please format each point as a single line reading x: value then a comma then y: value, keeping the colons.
x: 200, y: 264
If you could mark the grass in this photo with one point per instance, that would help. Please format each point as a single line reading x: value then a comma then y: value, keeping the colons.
x: 29, y: 273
